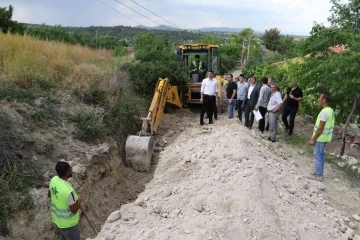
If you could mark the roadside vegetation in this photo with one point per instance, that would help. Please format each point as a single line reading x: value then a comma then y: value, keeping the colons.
x: 32, y: 74
x: 327, y: 60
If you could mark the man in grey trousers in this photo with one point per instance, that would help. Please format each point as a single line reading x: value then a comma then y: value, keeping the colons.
x: 273, y: 108
x: 262, y: 102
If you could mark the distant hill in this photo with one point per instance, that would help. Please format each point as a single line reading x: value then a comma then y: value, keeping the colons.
x: 159, y: 27
x: 220, y: 29
x: 204, y: 29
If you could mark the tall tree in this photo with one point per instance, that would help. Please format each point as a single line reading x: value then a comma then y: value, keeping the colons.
x: 287, y: 45
x: 346, y: 15
x: 6, y: 24
x: 272, y: 39
x: 211, y: 39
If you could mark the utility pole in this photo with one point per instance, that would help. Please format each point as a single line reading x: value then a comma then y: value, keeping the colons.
x: 248, y: 54
x: 242, y: 53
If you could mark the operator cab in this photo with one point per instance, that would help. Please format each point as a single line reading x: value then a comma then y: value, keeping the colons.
x: 198, y: 59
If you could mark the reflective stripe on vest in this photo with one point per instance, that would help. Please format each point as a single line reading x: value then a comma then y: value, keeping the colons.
x: 327, y: 133
x: 200, y: 65
x: 60, y: 211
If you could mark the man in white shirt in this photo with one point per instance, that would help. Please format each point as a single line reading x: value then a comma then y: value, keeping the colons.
x: 252, y: 97
x: 209, y: 90
x: 273, y: 107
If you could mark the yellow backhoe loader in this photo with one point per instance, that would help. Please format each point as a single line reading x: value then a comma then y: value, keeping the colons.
x: 139, y: 148
x: 208, y: 58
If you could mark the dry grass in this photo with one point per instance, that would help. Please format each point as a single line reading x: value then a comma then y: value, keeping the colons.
x: 23, y: 58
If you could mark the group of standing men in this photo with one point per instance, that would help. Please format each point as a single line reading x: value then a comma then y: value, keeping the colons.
x: 249, y: 96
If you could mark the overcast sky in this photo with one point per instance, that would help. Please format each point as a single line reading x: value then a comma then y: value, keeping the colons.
x: 290, y: 16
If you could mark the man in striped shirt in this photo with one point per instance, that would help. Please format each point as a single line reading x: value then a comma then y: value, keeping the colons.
x: 242, y: 88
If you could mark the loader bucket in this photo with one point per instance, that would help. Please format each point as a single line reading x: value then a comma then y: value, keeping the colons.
x: 138, y: 151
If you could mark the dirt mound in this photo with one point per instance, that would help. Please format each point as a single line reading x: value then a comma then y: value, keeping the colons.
x: 219, y: 182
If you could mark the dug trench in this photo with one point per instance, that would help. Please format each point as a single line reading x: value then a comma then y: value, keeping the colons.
x: 223, y: 181
x: 248, y: 188
x: 100, y: 176
x: 104, y: 183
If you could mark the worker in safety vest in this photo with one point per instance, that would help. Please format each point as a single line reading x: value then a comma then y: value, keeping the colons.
x: 322, y: 134
x: 65, y: 203
x: 198, y: 67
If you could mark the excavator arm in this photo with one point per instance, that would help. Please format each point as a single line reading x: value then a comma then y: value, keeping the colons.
x: 139, y: 148
x: 164, y: 93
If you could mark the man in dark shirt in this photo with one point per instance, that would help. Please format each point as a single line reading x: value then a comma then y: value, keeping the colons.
x: 231, y: 95
x: 293, y: 96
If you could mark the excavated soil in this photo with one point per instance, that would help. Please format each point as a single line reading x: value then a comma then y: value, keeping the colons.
x: 223, y: 181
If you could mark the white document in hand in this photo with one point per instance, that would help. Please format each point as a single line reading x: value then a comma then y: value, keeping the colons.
x: 257, y: 115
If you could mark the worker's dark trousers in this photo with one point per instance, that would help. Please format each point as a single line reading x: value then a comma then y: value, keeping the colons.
x: 72, y: 233
x: 208, y: 106
x: 292, y: 112
x: 263, y: 111
x: 249, y: 115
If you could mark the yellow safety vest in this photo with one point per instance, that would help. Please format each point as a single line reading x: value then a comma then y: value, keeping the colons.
x: 60, y: 211
x: 200, y: 65
x: 327, y: 133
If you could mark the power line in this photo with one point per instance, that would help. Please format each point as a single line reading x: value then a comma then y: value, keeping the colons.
x: 119, y: 12
x: 142, y: 15
x: 293, y: 10
x: 287, y: 6
x: 155, y: 14
x: 304, y: 7
x: 300, y: 11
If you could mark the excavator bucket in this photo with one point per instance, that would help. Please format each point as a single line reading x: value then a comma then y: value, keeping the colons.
x: 138, y: 151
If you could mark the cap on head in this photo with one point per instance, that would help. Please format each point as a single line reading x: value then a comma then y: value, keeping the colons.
x: 62, y: 167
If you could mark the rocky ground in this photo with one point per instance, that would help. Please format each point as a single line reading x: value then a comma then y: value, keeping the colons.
x: 223, y: 181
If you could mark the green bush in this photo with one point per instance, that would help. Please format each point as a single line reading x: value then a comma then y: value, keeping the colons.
x: 120, y: 51
x: 144, y: 75
x: 89, y: 125
x: 16, y: 175
x: 154, y: 59
x: 11, y: 92
x: 126, y: 105
x: 227, y: 64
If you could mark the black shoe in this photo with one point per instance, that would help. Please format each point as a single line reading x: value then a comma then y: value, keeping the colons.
x: 267, y: 128
x: 202, y: 123
x: 215, y: 119
x: 289, y: 133
x: 211, y: 122
x: 271, y: 140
